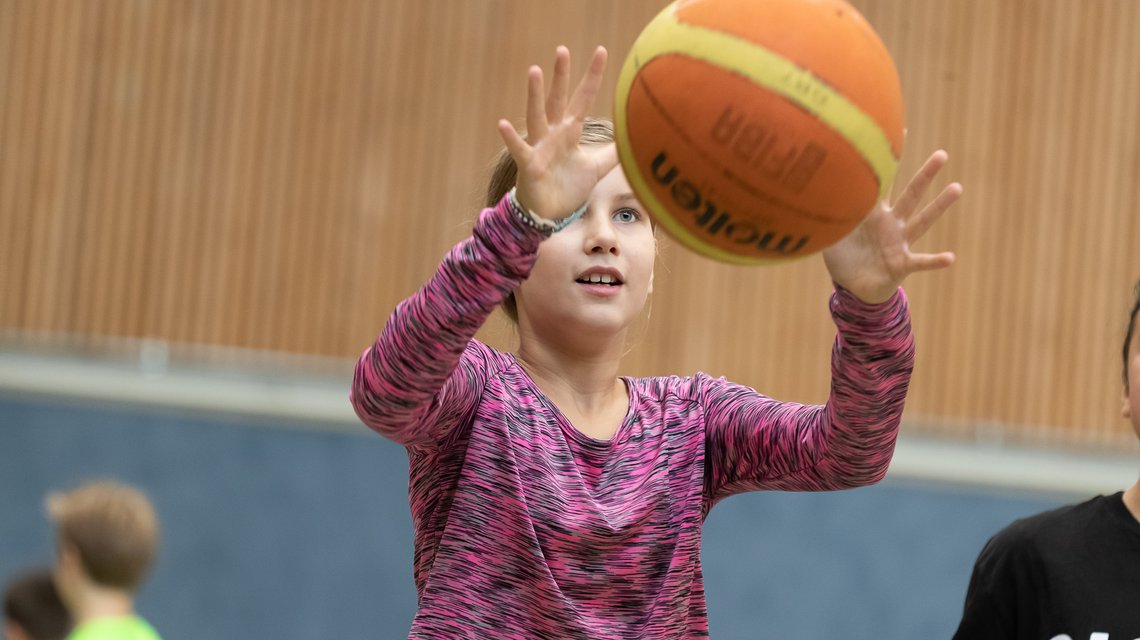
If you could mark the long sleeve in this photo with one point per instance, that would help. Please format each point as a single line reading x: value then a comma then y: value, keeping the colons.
x: 423, y: 375
x: 754, y: 442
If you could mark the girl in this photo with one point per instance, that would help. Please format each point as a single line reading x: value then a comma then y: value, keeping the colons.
x: 554, y: 499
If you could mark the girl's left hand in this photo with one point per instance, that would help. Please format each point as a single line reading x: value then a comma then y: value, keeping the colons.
x: 875, y: 258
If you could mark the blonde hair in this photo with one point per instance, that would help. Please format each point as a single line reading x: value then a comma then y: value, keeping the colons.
x: 505, y: 173
x: 114, y: 529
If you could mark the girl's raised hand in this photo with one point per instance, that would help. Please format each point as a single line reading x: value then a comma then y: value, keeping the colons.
x: 875, y: 258
x: 555, y: 173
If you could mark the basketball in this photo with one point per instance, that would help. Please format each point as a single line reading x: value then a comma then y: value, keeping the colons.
x: 758, y: 131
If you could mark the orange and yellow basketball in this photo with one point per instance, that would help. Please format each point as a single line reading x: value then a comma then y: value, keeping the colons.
x: 759, y: 130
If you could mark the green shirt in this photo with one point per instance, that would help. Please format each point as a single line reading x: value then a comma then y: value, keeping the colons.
x: 118, y: 628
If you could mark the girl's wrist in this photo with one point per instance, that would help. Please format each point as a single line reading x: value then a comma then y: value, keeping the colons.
x: 544, y: 225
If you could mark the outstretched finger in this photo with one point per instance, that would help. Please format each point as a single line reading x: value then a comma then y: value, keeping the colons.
x: 931, y: 261
x: 559, y: 86
x: 605, y: 158
x: 907, y: 203
x: 588, y: 87
x: 536, y: 124
x: 920, y: 223
x: 515, y: 144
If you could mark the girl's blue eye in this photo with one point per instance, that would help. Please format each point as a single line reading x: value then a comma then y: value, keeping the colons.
x: 627, y: 215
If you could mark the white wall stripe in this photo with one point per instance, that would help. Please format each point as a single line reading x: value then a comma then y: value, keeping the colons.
x: 307, y: 402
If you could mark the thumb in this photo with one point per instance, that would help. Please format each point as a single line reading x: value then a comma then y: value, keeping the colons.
x: 605, y: 158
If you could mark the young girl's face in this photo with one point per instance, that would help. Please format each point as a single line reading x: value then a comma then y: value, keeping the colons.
x: 596, y: 273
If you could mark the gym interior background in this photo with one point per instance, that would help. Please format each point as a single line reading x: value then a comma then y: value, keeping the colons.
x: 208, y: 209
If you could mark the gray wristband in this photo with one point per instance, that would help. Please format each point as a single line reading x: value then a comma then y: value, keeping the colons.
x: 533, y: 220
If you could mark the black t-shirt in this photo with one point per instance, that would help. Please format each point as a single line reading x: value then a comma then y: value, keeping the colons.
x: 1068, y: 574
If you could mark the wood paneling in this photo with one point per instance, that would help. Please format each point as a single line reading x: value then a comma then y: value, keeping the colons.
x: 275, y: 175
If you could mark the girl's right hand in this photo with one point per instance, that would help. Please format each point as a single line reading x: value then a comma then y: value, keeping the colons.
x: 555, y: 173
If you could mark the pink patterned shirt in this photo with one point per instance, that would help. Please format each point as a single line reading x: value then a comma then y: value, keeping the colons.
x: 527, y: 528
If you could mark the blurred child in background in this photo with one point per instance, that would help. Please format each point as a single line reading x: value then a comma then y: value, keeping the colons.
x: 107, y: 538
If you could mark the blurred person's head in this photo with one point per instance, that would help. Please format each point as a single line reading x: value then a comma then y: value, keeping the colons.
x: 33, y: 609
x: 107, y: 538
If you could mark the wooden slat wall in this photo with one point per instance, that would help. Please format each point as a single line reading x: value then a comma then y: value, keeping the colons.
x: 276, y: 175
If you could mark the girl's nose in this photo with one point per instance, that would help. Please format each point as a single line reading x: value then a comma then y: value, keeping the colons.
x: 601, y: 236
